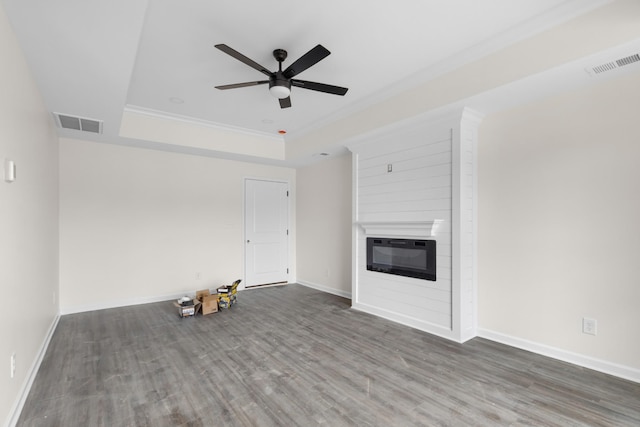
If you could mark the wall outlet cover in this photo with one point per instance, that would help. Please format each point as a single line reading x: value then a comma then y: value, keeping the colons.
x: 589, y: 326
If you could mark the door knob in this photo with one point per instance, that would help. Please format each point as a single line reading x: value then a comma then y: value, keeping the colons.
x: 248, y: 241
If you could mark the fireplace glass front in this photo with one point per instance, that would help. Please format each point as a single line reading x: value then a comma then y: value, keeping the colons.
x: 403, y: 257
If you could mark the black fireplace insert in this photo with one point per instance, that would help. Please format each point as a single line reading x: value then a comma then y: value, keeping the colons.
x: 403, y: 257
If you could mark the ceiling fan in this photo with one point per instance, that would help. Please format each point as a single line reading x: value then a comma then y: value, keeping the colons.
x: 280, y: 82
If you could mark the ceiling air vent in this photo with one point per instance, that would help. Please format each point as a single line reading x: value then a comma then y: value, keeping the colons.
x: 609, y: 66
x: 84, y: 124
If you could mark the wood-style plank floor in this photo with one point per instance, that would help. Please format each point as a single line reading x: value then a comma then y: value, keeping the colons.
x: 293, y: 356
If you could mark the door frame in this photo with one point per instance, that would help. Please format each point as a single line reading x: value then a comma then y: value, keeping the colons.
x: 291, y: 276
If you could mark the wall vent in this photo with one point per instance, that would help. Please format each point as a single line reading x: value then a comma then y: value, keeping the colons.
x: 613, y: 65
x: 66, y: 121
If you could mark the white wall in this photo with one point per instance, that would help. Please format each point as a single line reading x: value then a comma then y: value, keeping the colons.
x: 324, y: 225
x: 192, y: 133
x: 138, y: 225
x: 28, y: 222
x: 559, y: 223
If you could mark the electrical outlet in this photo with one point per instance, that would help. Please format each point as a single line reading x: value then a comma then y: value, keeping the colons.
x: 389, y: 167
x: 198, y: 276
x: 589, y: 326
x: 13, y: 365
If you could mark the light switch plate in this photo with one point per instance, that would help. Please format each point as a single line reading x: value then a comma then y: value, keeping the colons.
x: 9, y: 170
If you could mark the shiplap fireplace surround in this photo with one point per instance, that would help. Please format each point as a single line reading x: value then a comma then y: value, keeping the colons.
x: 417, y: 179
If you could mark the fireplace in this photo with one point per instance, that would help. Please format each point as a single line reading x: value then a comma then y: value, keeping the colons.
x: 417, y: 179
x: 403, y: 257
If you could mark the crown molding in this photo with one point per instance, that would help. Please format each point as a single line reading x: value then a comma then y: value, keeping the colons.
x: 198, y: 122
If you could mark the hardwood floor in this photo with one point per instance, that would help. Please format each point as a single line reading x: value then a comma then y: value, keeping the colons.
x: 293, y: 356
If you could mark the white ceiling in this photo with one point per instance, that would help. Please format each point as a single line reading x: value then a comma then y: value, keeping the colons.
x: 98, y: 59
x: 374, y: 44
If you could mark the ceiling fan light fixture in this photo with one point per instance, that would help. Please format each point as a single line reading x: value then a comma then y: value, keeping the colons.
x: 280, y: 92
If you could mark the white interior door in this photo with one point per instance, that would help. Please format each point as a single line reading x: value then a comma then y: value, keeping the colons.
x: 266, y: 232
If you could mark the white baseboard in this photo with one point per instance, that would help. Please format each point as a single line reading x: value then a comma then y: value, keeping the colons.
x: 326, y: 289
x: 270, y: 285
x: 621, y: 371
x: 16, y: 409
x: 103, y: 305
x: 121, y: 303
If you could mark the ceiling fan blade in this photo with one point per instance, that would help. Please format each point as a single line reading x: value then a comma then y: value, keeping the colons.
x: 320, y: 87
x: 237, y: 85
x: 285, y: 102
x: 240, y: 57
x: 307, y: 60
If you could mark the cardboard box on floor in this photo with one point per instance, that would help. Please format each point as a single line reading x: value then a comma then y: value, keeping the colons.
x: 209, y: 302
x: 187, y: 310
